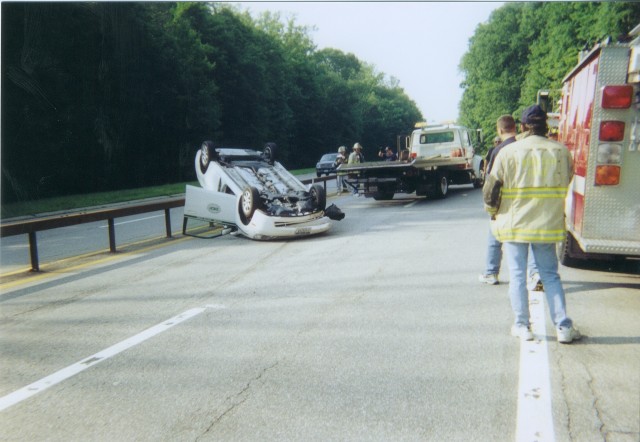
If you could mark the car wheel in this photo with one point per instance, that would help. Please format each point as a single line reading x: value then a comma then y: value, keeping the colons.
x: 249, y: 202
x: 318, y: 174
x: 269, y: 152
x: 207, y: 154
x: 319, y: 196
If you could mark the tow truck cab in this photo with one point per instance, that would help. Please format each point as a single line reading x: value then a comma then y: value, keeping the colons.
x: 445, y: 140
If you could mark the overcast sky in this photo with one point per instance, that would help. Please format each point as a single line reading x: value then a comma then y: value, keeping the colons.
x: 419, y: 43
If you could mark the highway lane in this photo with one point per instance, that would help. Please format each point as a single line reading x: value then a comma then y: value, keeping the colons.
x: 377, y: 330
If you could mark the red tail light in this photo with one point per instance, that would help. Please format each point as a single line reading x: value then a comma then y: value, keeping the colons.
x: 617, y: 97
x: 611, y: 131
x: 607, y: 175
x: 414, y: 155
x: 456, y: 152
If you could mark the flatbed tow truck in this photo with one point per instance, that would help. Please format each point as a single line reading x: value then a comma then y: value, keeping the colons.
x: 435, y: 157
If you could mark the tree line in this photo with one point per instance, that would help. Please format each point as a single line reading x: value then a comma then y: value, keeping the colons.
x: 112, y: 95
x: 527, y: 47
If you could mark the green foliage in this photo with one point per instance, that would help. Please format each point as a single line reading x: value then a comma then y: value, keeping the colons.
x: 525, y: 47
x: 115, y: 95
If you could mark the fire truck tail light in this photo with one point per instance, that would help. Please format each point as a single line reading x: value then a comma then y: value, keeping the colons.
x: 617, y: 97
x: 607, y: 175
x: 611, y: 131
x: 609, y: 153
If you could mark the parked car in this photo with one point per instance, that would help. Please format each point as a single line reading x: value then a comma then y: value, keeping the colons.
x: 249, y: 192
x: 327, y: 164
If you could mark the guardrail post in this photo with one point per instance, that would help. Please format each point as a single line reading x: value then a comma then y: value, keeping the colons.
x: 33, y: 251
x: 112, y: 236
x: 167, y: 221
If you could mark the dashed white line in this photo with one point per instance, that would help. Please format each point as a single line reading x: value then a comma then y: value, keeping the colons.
x: 535, y: 419
x: 72, y: 370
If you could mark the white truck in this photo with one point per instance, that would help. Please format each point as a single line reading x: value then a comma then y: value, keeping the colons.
x: 434, y: 157
x: 600, y: 125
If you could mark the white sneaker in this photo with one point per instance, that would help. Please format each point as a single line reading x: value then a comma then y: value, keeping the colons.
x: 566, y: 335
x: 489, y: 279
x: 522, y: 331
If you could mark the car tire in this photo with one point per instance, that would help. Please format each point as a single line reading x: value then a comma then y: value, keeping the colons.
x: 207, y: 154
x: 249, y: 203
x: 269, y: 152
x: 319, y: 196
x: 318, y: 174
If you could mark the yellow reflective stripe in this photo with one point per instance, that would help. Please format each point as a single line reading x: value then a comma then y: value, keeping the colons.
x: 535, y: 192
x: 530, y: 235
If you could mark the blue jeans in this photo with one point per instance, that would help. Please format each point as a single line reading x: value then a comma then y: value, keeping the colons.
x: 545, y: 257
x: 494, y: 257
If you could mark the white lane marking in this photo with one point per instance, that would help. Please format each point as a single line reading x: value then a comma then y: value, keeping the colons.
x: 216, y: 306
x: 72, y: 370
x: 132, y: 221
x: 411, y: 204
x: 535, y: 419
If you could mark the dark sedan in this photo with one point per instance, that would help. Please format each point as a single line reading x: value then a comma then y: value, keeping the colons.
x: 327, y: 164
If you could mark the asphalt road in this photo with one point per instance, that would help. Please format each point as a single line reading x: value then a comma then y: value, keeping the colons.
x: 377, y: 330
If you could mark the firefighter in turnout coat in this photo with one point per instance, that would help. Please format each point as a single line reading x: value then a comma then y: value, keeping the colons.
x: 525, y: 194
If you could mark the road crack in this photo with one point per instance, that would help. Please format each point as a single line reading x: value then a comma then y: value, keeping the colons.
x: 236, y: 400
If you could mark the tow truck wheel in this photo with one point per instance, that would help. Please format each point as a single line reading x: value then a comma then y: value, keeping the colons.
x: 249, y: 201
x: 441, y: 186
x: 319, y: 196
x: 207, y: 154
x: 383, y: 196
x: 479, y: 182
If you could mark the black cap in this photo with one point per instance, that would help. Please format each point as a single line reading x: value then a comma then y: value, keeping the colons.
x: 533, y: 114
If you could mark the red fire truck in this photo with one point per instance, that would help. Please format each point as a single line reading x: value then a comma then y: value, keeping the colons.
x: 600, y: 124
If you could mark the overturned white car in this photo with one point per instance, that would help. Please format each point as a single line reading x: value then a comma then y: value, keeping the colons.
x: 249, y: 192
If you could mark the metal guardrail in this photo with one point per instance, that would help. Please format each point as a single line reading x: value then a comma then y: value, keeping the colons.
x: 33, y: 225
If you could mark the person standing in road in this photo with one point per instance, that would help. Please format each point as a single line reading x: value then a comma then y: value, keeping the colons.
x: 341, y: 159
x: 525, y: 193
x: 487, y: 159
x: 356, y: 157
x: 506, y: 129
